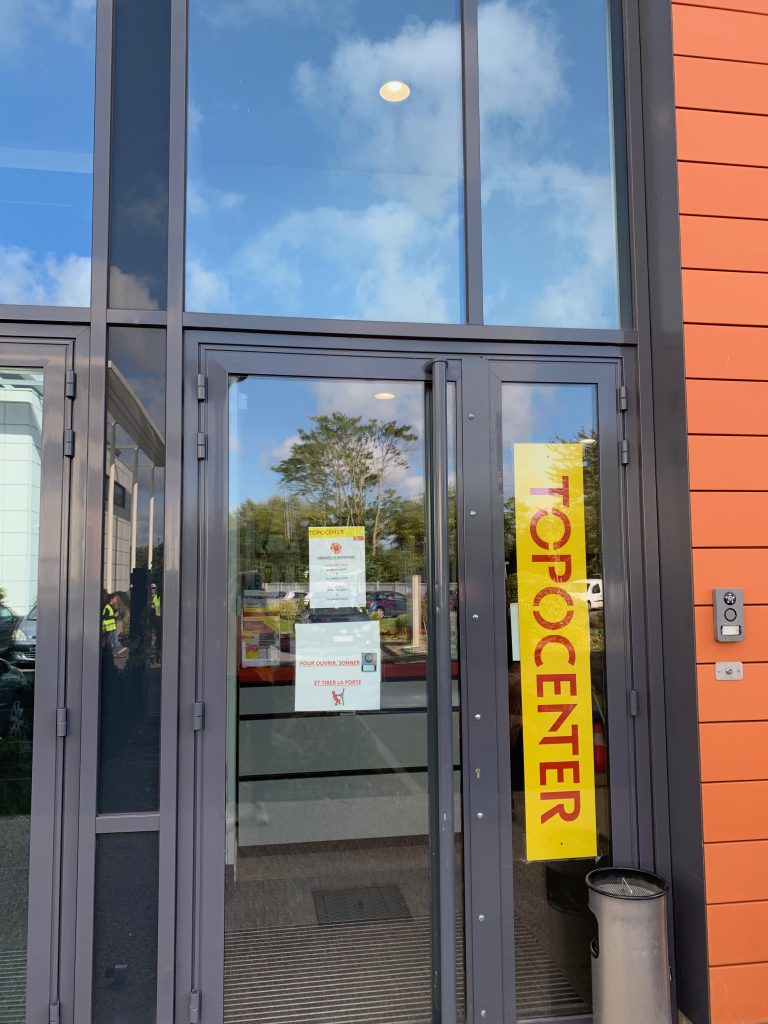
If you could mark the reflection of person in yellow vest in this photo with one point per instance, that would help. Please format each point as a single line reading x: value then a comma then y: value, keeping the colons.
x: 109, y: 622
x: 156, y: 613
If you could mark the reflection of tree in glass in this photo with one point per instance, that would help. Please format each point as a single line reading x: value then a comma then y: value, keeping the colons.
x: 591, y: 464
x: 339, y: 468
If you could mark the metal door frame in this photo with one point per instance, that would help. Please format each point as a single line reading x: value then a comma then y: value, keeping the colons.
x: 486, y: 808
x: 50, y: 962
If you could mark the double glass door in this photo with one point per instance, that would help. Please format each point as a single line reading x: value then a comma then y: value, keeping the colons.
x: 409, y: 661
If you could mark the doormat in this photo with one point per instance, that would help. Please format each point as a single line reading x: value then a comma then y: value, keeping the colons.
x: 356, y: 906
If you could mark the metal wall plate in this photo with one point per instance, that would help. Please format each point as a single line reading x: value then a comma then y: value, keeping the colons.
x: 729, y: 670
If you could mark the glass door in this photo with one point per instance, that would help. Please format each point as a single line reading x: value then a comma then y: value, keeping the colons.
x: 33, y: 552
x: 409, y: 694
x: 329, y: 764
x: 562, y: 656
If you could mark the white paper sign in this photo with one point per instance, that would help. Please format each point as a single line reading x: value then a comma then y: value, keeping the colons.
x: 338, y: 666
x: 337, y: 566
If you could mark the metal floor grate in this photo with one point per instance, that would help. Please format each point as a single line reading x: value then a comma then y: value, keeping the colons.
x: 13, y: 985
x: 361, y: 905
x: 375, y: 973
x: 542, y: 988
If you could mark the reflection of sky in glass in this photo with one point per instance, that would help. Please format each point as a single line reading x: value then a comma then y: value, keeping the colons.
x: 541, y: 414
x: 309, y: 195
x: 46, y: 150
x: 549, y: 223
x: 266, y: 414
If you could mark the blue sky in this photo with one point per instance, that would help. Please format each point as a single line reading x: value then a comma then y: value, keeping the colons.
x: 46, y: 150
x: 309, y: 195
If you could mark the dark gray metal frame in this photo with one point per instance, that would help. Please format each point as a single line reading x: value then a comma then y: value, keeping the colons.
x: 656, y: 498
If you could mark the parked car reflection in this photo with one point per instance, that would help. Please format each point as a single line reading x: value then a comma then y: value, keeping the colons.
x: 25, y: 641
x: 16, y: 702
x: 8, y: 622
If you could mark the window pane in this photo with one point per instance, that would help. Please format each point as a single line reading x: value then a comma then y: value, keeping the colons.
x: 309, y: 194
x: 139, y: 198
x: 125, y: 929
x: 556, y: 651
x: 46, y: 152
x: 550, y: 250
x: 21, y: 422
x: 132, y: 608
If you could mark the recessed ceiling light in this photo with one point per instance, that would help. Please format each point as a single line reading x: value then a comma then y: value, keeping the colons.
x: 394, y: 92
x: 384, y: 396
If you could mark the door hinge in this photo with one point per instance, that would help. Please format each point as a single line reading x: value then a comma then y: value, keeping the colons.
x: 194, y: 1007
x: 69, y: 443
x: 202, y: 446
x: 624, y: 453
x: 634, y: 703
x: 622, y: 399
x: 198, y: 716
x: 54, y: 1013
x: 62, y: 721
x: 202, y: 387
x: 70, y: 384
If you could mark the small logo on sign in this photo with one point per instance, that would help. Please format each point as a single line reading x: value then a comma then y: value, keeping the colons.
x: 338, y: 698
x: 336, y: 548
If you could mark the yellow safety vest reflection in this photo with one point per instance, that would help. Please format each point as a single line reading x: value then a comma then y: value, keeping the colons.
x: 108, y: 623
x: 156, y: 605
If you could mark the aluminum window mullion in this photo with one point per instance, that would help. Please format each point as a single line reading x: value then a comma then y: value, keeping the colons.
x: 441, y: 712
x: 473, y: 214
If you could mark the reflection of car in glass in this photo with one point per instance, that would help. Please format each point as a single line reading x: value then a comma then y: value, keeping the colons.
x: 386, y: 604
x: 25, y: 641
x: 593, y: 594
x: 8, y: 622
x: 16, y: 695
x: 332, y: 615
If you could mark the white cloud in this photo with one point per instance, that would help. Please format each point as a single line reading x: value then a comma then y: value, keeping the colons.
x: 413, y: 149
x: 50, y: 281
x: 201, y: 200
x: 70, y: 20
x: 134, y: 291
x: 206, y: 289
x: 394, y: 256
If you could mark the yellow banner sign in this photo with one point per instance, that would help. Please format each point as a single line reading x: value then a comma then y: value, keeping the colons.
x: 558, y: 747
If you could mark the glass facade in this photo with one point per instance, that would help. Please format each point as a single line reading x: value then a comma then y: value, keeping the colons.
x: 336, y: 188
x: 272, y: 778
x: 47, y: 65
x: 550, y: 192
x: 139, y: 193
x: 132, y: 594
x: 317, y: 187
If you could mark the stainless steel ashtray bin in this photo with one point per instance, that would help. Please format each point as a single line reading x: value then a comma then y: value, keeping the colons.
x: 630, y: 957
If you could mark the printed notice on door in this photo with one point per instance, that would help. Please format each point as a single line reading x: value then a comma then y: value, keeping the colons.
x: 338, y: 666
x: 556, y: 683
x: 337, y: 566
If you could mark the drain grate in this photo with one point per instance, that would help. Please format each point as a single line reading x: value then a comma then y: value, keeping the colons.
x: 13, y: 986
x: 358, y: 906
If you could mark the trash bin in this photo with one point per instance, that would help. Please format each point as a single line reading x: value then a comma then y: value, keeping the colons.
x: 630, y: 956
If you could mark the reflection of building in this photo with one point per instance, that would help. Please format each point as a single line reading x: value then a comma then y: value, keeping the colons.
x: 135, y: 450
x: 21, y: 419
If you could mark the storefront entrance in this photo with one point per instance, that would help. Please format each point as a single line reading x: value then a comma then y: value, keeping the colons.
x: 407, y: 662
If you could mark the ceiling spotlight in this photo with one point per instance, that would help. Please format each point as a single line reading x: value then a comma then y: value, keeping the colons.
x: 384, y: 396
x: 394, y: 92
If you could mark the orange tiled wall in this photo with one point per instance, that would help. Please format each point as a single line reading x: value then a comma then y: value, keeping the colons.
x: 721, y: 73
